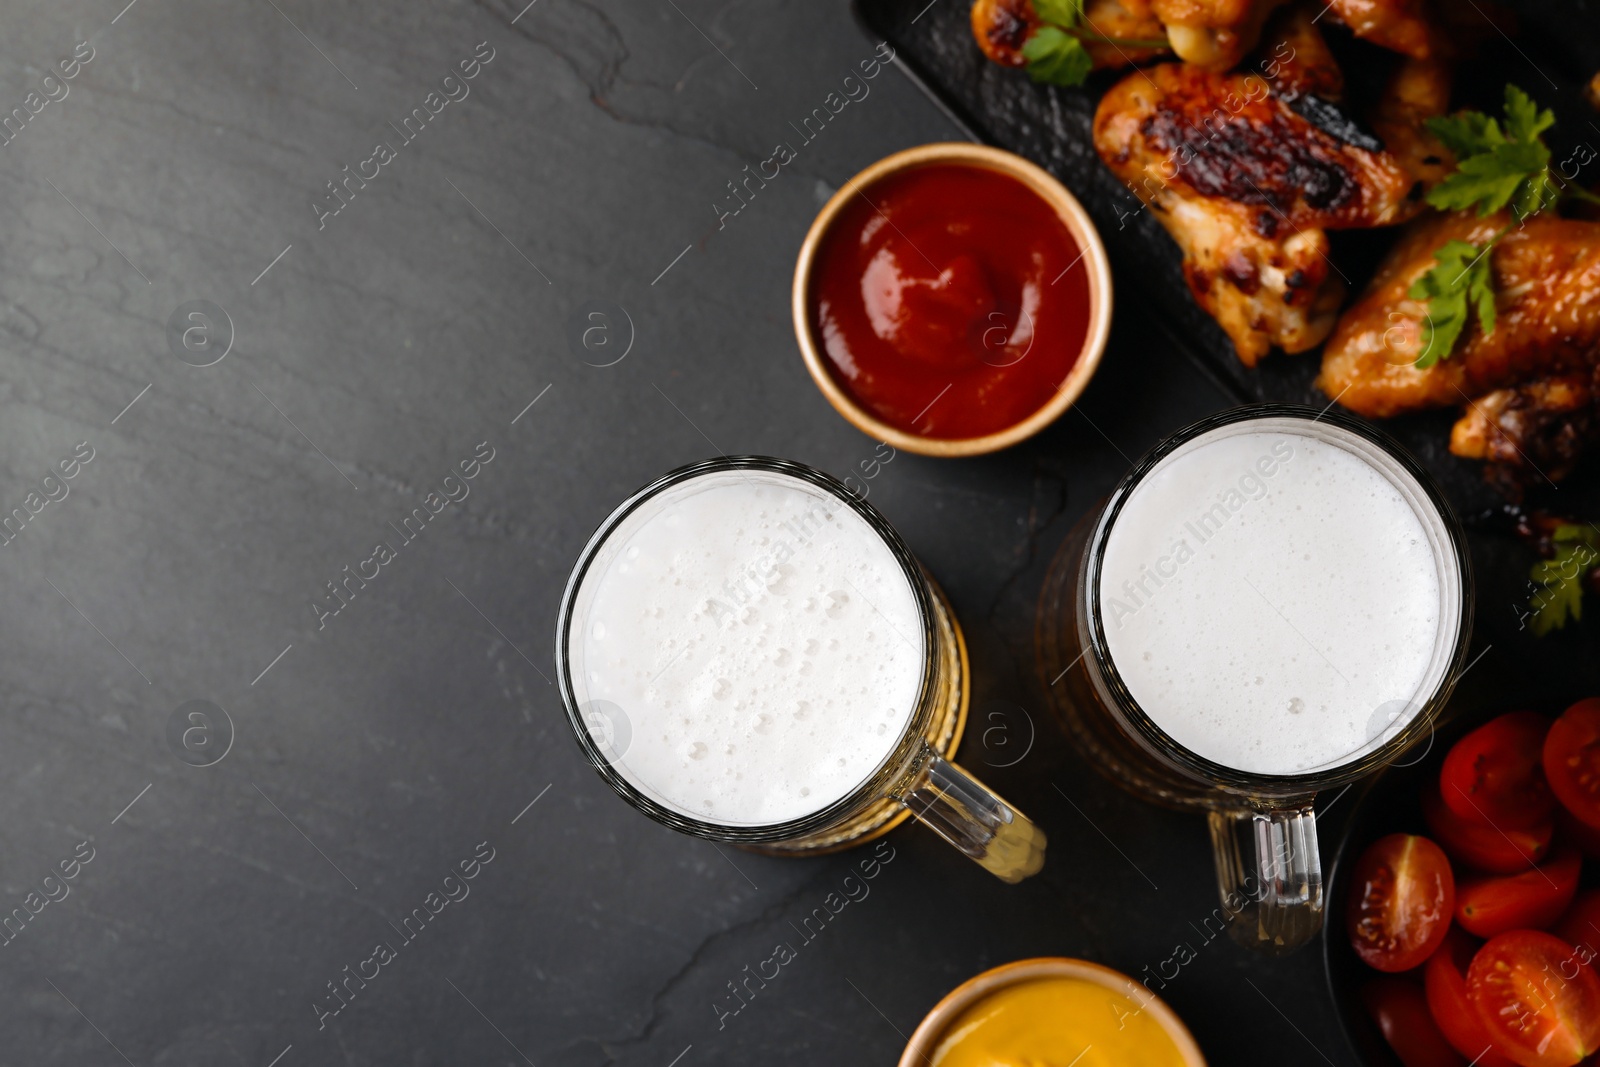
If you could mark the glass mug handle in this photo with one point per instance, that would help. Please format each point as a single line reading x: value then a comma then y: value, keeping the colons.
x: 1269, y: 874
x: 969, y: 815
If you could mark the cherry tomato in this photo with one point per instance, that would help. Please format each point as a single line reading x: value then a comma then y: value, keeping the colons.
x: 1445, y: 979
x: 1495, y: 774
x: 1401, y: 1012
x: 1580, y: 928
x: 1572, y: 760
x: 1482, y: 846
x: 1584, y: 836
x: 1531, y: 900
x: 1538, y: 1006
x: 1402, y: 894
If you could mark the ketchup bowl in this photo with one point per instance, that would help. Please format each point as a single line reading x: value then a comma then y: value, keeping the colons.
x: 952, y: 299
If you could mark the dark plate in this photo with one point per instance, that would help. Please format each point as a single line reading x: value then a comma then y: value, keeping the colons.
x: 1389, y: 805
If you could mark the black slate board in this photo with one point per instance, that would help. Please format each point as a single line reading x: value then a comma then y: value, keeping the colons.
x: 1556, y: 50
x: 1051, y: 126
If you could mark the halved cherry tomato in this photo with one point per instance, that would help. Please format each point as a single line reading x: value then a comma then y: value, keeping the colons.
x: 1482, y: 846
x: 1572, y: 760
x: 1401, y: 1012
x: 1445, y: 979
x: 1581, y: 834
x: 1580, y: 928
x: 1402, y: 894
x: 1495, y: 774
x: 1537, y: 1006
x: 1531, y: 900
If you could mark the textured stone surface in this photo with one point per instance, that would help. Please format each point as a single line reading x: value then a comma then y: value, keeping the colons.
x: 371, y: 756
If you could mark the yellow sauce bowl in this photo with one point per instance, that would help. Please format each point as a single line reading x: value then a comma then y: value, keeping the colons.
x: 1051, y: 1012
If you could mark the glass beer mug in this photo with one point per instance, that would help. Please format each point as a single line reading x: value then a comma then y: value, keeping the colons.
x: 1272, y: 603
x: 749, y: 653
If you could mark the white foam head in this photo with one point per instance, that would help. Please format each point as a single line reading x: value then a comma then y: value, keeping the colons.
x: 1279, y: 598
x: 762, y: 642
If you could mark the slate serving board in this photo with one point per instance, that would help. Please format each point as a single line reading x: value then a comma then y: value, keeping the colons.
x: 1556, y: 48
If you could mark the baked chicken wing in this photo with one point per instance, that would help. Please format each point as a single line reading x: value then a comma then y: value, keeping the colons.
x: 1530, y: 389
x: 1248, y: 187
x: 1547, y: 317
x: 1001, y: 27
x: 1398, y: 25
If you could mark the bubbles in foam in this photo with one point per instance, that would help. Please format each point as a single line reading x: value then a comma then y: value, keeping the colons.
x: 741, y: 624
x: 1262, y: 593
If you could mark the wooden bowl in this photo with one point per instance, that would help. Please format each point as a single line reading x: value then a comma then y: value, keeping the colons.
x: 926, y: 1037
x: 1072, y: 216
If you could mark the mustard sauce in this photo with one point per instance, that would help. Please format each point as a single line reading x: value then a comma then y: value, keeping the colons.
x: 1056, y: 1022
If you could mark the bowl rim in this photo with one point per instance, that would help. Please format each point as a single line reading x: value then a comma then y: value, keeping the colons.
x: 937, y: 1021
x: 1072, y: 215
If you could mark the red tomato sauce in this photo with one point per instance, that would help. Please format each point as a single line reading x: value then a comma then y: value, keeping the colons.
x: 950, y: 300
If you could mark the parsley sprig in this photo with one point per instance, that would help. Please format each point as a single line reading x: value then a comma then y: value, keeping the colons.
x: 1499, y: 165
x: 1560, y: 579
x: 1457, y: 287
x: 1055, y: 51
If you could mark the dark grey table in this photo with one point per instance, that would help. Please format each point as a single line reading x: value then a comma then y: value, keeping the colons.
x: 365, y: 755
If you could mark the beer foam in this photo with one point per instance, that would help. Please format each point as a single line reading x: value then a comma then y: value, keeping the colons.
x: 762, y: 642
x: 1272, y: 601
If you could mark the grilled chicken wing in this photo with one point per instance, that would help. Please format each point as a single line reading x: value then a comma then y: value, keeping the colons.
x: 1418, y: 90
x: 1214, y: 34
x: 1536, y: 429
x: 1398, y: 25
x: 1001, y: 27
x: 1247, y: 187
x: 1547, y: 319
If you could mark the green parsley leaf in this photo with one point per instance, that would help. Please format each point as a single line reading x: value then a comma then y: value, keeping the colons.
x: 1468, y: 133
x: 1524, y: 121
x: 1059, y: 12
x: 1056, y: 57
x: 1458, y: 285
x: 1497, y: 166
x: 1560, y: 596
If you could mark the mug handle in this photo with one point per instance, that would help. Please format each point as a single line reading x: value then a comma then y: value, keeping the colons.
x: 969, y: 815
x: 1269, y: 875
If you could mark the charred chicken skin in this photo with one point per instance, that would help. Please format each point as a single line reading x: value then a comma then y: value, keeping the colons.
x: 1247, y: 186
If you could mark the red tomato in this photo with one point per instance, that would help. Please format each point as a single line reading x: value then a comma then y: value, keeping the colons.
x: 1445, y: 978
x: 1586, y: 837
x: 1537, y: 1005
x: 1401, y: 1012
x: 1482, y: 846
x: 1531, y: 900
x: 1495, y: 774
x: 1580, y: 927
x: 1572, y: 760
x: 1401, y: 897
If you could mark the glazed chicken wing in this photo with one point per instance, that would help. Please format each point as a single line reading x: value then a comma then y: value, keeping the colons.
x: 1418, y: 90
x: 1001, y: 27
x: 1247, y: 186
x: 1215, y: 34
x: 1547, y: 319
x: 1398, y: 25
x: 1536, y: 430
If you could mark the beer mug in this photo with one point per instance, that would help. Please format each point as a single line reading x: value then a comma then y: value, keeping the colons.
x: 1274, y: 602
x: 749, y: 653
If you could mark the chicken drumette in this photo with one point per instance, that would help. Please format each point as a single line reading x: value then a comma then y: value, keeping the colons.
x: 1248, y: 186
x: 1529, y: 388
